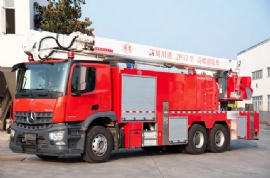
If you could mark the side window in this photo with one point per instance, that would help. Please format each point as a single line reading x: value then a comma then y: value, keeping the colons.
x: 90, y: 80
x: 8, y: 17
x: 75, y: 79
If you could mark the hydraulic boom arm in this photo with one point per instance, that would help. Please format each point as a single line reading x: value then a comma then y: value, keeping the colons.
x: 44, y: 45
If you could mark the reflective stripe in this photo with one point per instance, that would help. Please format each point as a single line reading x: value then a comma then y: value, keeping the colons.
x: 140, y: 112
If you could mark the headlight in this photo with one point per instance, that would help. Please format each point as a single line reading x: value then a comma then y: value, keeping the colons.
x: 12, y: 133
x: 57, y: 136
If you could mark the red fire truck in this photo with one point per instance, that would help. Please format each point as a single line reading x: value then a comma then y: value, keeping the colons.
x: 87, y: 95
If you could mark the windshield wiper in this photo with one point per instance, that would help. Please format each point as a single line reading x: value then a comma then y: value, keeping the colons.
x: 26, y: 92
x: 48, y: 92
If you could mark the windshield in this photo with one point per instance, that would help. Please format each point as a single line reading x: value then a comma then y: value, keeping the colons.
x: 49, y: 77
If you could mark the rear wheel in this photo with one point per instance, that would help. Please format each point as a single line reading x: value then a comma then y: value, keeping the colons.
x: 98, y: 146
x: 197, y: 140
x: 218, y: 139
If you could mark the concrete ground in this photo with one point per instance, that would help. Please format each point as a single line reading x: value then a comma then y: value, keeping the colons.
x: 246, y: 159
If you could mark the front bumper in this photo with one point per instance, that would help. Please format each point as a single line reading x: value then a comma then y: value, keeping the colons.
x: 43, y: 145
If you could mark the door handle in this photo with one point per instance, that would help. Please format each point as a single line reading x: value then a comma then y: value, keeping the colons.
x: 95, y: 107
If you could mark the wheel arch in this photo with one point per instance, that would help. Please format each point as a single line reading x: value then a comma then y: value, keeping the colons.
x: 198, y: 122
x: 224, y: 123
x: 105, y: 119
x: 99, y: 119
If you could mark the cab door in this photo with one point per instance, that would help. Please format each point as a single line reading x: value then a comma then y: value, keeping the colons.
x: 96, y: 96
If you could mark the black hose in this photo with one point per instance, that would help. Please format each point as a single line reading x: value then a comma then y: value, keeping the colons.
x: 59, y: 45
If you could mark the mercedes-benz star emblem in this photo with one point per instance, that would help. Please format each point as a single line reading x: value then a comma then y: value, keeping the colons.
x: 31, y: 118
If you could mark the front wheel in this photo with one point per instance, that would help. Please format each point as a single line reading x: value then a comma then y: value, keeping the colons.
x: 197, y: 140
x: 98, y: 145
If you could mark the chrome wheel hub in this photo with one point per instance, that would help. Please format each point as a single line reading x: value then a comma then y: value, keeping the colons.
x: 219, y: 138
x: 198, y: 139
x: 99, y: 145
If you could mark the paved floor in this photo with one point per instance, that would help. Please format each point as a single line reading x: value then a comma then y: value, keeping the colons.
x: 246, y: 159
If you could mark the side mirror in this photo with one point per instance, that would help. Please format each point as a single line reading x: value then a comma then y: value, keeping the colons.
x: 82, y: 78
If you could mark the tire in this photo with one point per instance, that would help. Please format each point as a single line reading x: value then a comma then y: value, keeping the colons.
x: 219, y: 138
x: 98, y: 145
x: 197, y: 140
x: 45, y: 157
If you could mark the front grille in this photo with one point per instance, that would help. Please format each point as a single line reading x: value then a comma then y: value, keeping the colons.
x: 34, y: 127
x: 43, y: 120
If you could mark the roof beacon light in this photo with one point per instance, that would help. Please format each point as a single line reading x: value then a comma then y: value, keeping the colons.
x: 30, y: 58
x: 129, y: 66
x: 71, y: 54
x: 191, y: 71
